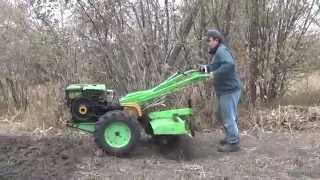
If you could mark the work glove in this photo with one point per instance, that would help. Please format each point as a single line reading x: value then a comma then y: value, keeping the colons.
x: 203, y: 68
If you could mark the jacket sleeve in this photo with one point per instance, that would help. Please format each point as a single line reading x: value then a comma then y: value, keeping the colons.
x: 214, y: 65
x: 222, y: 63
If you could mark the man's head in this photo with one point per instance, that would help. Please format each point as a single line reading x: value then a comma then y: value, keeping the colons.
x: 214, y: 38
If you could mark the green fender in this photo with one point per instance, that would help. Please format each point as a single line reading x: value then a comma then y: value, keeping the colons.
x: 170, y: 122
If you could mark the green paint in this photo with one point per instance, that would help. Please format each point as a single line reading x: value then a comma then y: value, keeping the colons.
x: 170, y: 122
x: 174, y: 83
x: 170, y: 113
x: 88, y: 127
x: 168, y: 127
x: 117, y: 134
x: 75, y: 90
x: 76, y: 87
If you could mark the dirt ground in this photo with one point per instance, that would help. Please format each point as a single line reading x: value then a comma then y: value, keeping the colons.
x: 264, y: 155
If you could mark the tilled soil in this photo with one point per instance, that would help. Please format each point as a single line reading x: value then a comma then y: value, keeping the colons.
x: 263, y: 156
x: 26, y: 157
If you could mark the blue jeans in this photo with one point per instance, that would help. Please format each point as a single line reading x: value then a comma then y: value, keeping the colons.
x: 226, y: 112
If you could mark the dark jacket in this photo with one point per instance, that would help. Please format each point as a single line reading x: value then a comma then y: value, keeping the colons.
x: 226, y: 79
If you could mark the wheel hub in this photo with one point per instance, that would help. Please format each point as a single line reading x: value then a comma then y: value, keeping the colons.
x: 117, y: 134
x: 83, y: 109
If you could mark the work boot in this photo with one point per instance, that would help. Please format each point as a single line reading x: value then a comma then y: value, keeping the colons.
x: 229, y: 147
x: 223, y: 142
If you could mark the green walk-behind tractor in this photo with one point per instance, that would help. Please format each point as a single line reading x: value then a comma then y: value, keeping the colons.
x: 117, y: 124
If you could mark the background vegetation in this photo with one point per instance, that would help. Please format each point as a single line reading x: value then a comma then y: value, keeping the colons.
x: 135, y: 44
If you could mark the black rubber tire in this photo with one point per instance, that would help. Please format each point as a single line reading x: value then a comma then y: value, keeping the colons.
x: 116, y: 116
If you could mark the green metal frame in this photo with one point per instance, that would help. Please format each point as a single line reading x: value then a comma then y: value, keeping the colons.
x: 76, y: 87
x: 84, y: 126
x: 174, y: 83
x: 168, y: 122
x: 75, y: 90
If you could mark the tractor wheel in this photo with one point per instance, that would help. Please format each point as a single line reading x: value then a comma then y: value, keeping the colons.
x: 117, y: 133
x: 81, y: 109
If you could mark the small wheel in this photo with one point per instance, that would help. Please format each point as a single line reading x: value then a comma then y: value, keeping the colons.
x: 81, y: 109
x: 116, y: 133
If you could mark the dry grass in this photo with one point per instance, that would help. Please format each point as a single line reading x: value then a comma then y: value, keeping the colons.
x: 45, y: 109
x: 304, y: 92
x: 308, y: 98
x: 298, y: 109
x: 310, y: 82
x: 290, y: 118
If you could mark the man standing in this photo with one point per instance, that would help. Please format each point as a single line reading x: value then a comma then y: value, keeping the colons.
x: 227, y: 84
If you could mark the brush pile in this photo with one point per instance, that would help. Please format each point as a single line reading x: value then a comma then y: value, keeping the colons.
x: 288, y: 117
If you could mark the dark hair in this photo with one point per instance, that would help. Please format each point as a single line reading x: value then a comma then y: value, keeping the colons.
x: 215, y: 34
